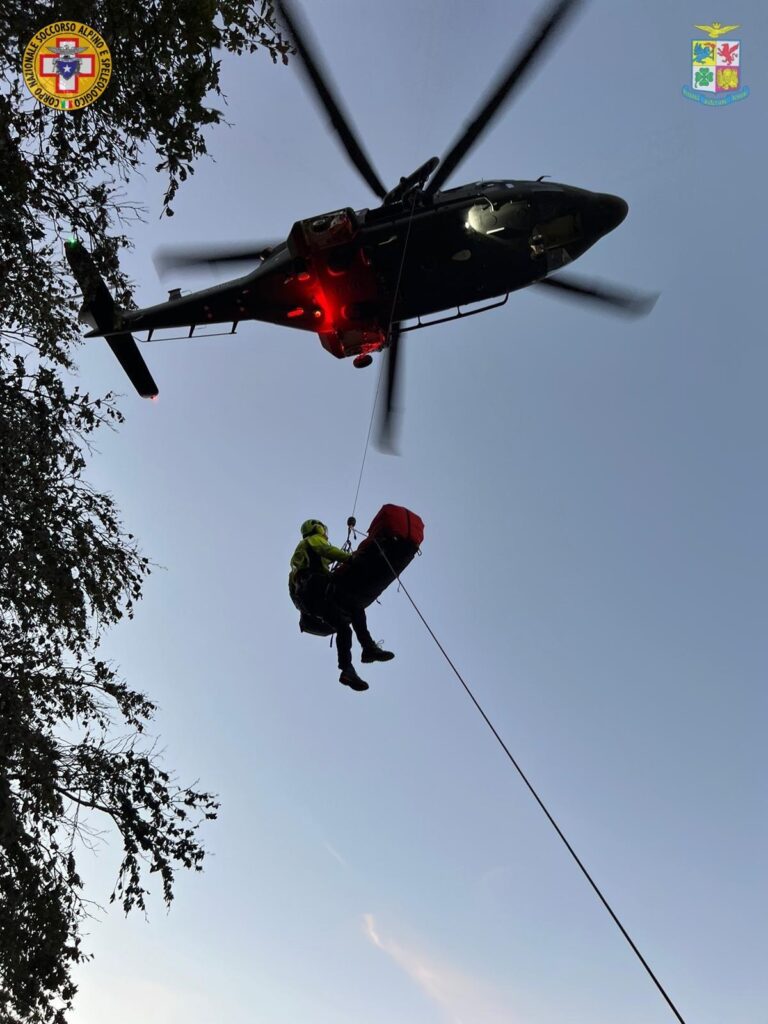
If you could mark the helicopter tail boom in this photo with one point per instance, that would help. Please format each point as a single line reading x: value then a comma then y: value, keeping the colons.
x: 99, y: 311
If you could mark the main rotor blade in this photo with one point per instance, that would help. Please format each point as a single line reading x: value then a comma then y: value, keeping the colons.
x: 388, y: 424
x: 320, y: 80
x: 523, y: 58
x: 198, y: 256
x: 609, y: 297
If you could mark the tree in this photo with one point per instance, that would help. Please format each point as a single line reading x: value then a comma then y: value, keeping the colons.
x: 72, y: 746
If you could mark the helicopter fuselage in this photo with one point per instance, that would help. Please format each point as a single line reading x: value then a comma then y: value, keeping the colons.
x: 348, y: 275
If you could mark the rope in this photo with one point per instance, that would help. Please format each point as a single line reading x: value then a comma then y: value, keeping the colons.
x: 381, y: 367
x: 368, y: 437
x: 535, y: 795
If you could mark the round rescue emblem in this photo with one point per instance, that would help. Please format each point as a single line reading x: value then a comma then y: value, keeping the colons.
x: 67, y: 65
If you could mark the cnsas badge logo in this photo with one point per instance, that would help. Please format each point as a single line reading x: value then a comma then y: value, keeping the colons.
x: 716, y: 67
x: 67, y: 65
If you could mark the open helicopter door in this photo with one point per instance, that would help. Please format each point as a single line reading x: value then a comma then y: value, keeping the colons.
x: 318, y: 234
x: 340, y: 282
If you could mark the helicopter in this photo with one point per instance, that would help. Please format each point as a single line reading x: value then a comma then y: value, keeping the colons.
x: 360, y: 279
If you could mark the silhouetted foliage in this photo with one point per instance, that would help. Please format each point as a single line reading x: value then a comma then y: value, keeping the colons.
x: 73, y: 758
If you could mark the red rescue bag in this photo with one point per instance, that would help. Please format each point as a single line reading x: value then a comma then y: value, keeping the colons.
x: 394, y: 537
x: 395, y: 521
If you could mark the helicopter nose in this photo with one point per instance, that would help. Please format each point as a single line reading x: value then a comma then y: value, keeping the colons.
x: 604, y: 213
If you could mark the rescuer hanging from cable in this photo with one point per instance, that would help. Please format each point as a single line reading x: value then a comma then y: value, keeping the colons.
x: 313, y: 591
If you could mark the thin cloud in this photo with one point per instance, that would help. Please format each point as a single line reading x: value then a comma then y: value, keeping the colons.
x: 464, y: 999
x: 335, y: 854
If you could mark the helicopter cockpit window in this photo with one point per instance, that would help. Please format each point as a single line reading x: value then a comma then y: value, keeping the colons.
x: 488, y: 218
x: 547, y: 207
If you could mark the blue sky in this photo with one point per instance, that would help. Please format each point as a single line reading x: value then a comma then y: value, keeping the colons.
x: 595, y: 502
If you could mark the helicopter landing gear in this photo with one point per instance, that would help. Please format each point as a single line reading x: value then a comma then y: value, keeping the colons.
x: 364, y: 359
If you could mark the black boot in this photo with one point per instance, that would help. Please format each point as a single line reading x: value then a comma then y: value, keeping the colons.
x: 374, y: 652
x: 349, y: 677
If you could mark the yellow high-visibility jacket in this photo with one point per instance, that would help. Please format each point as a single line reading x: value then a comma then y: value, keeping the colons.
x: 316, y: 554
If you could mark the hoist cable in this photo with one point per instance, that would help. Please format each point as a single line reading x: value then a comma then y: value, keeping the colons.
x: 381, y: 367
x: 368, y: 436
x: 535, y: 795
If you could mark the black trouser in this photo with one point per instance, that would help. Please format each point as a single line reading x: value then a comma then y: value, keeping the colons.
x: 318, y: 596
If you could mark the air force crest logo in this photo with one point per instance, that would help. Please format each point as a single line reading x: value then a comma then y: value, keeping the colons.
x: 716, y: 67
x: 67, y: 65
